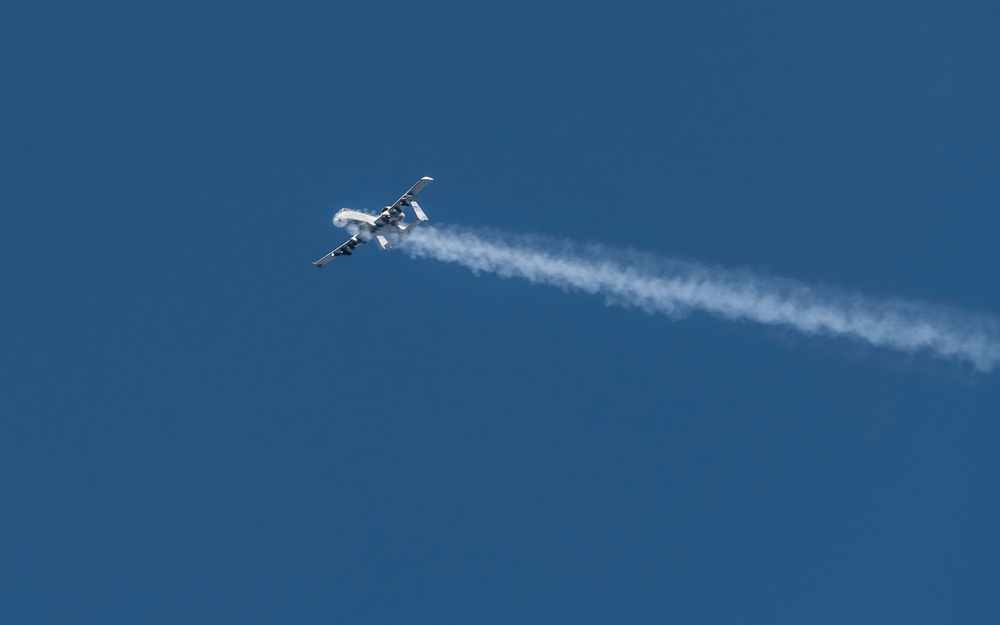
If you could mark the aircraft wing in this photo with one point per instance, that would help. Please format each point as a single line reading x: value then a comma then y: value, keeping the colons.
x: 344, y: 250
x: 411, y: 195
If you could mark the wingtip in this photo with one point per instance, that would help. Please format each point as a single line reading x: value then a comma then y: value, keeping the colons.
x: 427, y: 178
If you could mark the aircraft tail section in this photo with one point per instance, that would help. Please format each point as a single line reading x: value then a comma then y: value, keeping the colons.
x: 420, y: 217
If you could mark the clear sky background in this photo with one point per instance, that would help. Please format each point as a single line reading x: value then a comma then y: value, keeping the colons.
x: 197, y: 426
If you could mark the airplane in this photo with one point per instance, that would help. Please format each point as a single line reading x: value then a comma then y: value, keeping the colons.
x: 375, y: 226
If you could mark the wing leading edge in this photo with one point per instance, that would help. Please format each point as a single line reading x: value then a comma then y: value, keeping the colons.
x: 344, y: 250
x: 411, y: 195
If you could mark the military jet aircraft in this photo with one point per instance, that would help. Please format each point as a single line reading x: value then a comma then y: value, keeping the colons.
x: 386, y: 227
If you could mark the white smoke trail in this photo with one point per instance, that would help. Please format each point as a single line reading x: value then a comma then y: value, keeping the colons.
x: 674, y: 287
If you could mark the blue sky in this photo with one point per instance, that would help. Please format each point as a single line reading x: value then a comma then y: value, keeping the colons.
x: 198, y: 426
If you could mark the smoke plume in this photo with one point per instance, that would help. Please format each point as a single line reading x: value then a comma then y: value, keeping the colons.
x: 674, y: 288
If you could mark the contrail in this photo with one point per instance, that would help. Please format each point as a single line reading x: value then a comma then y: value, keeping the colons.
x: 673, y: 287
